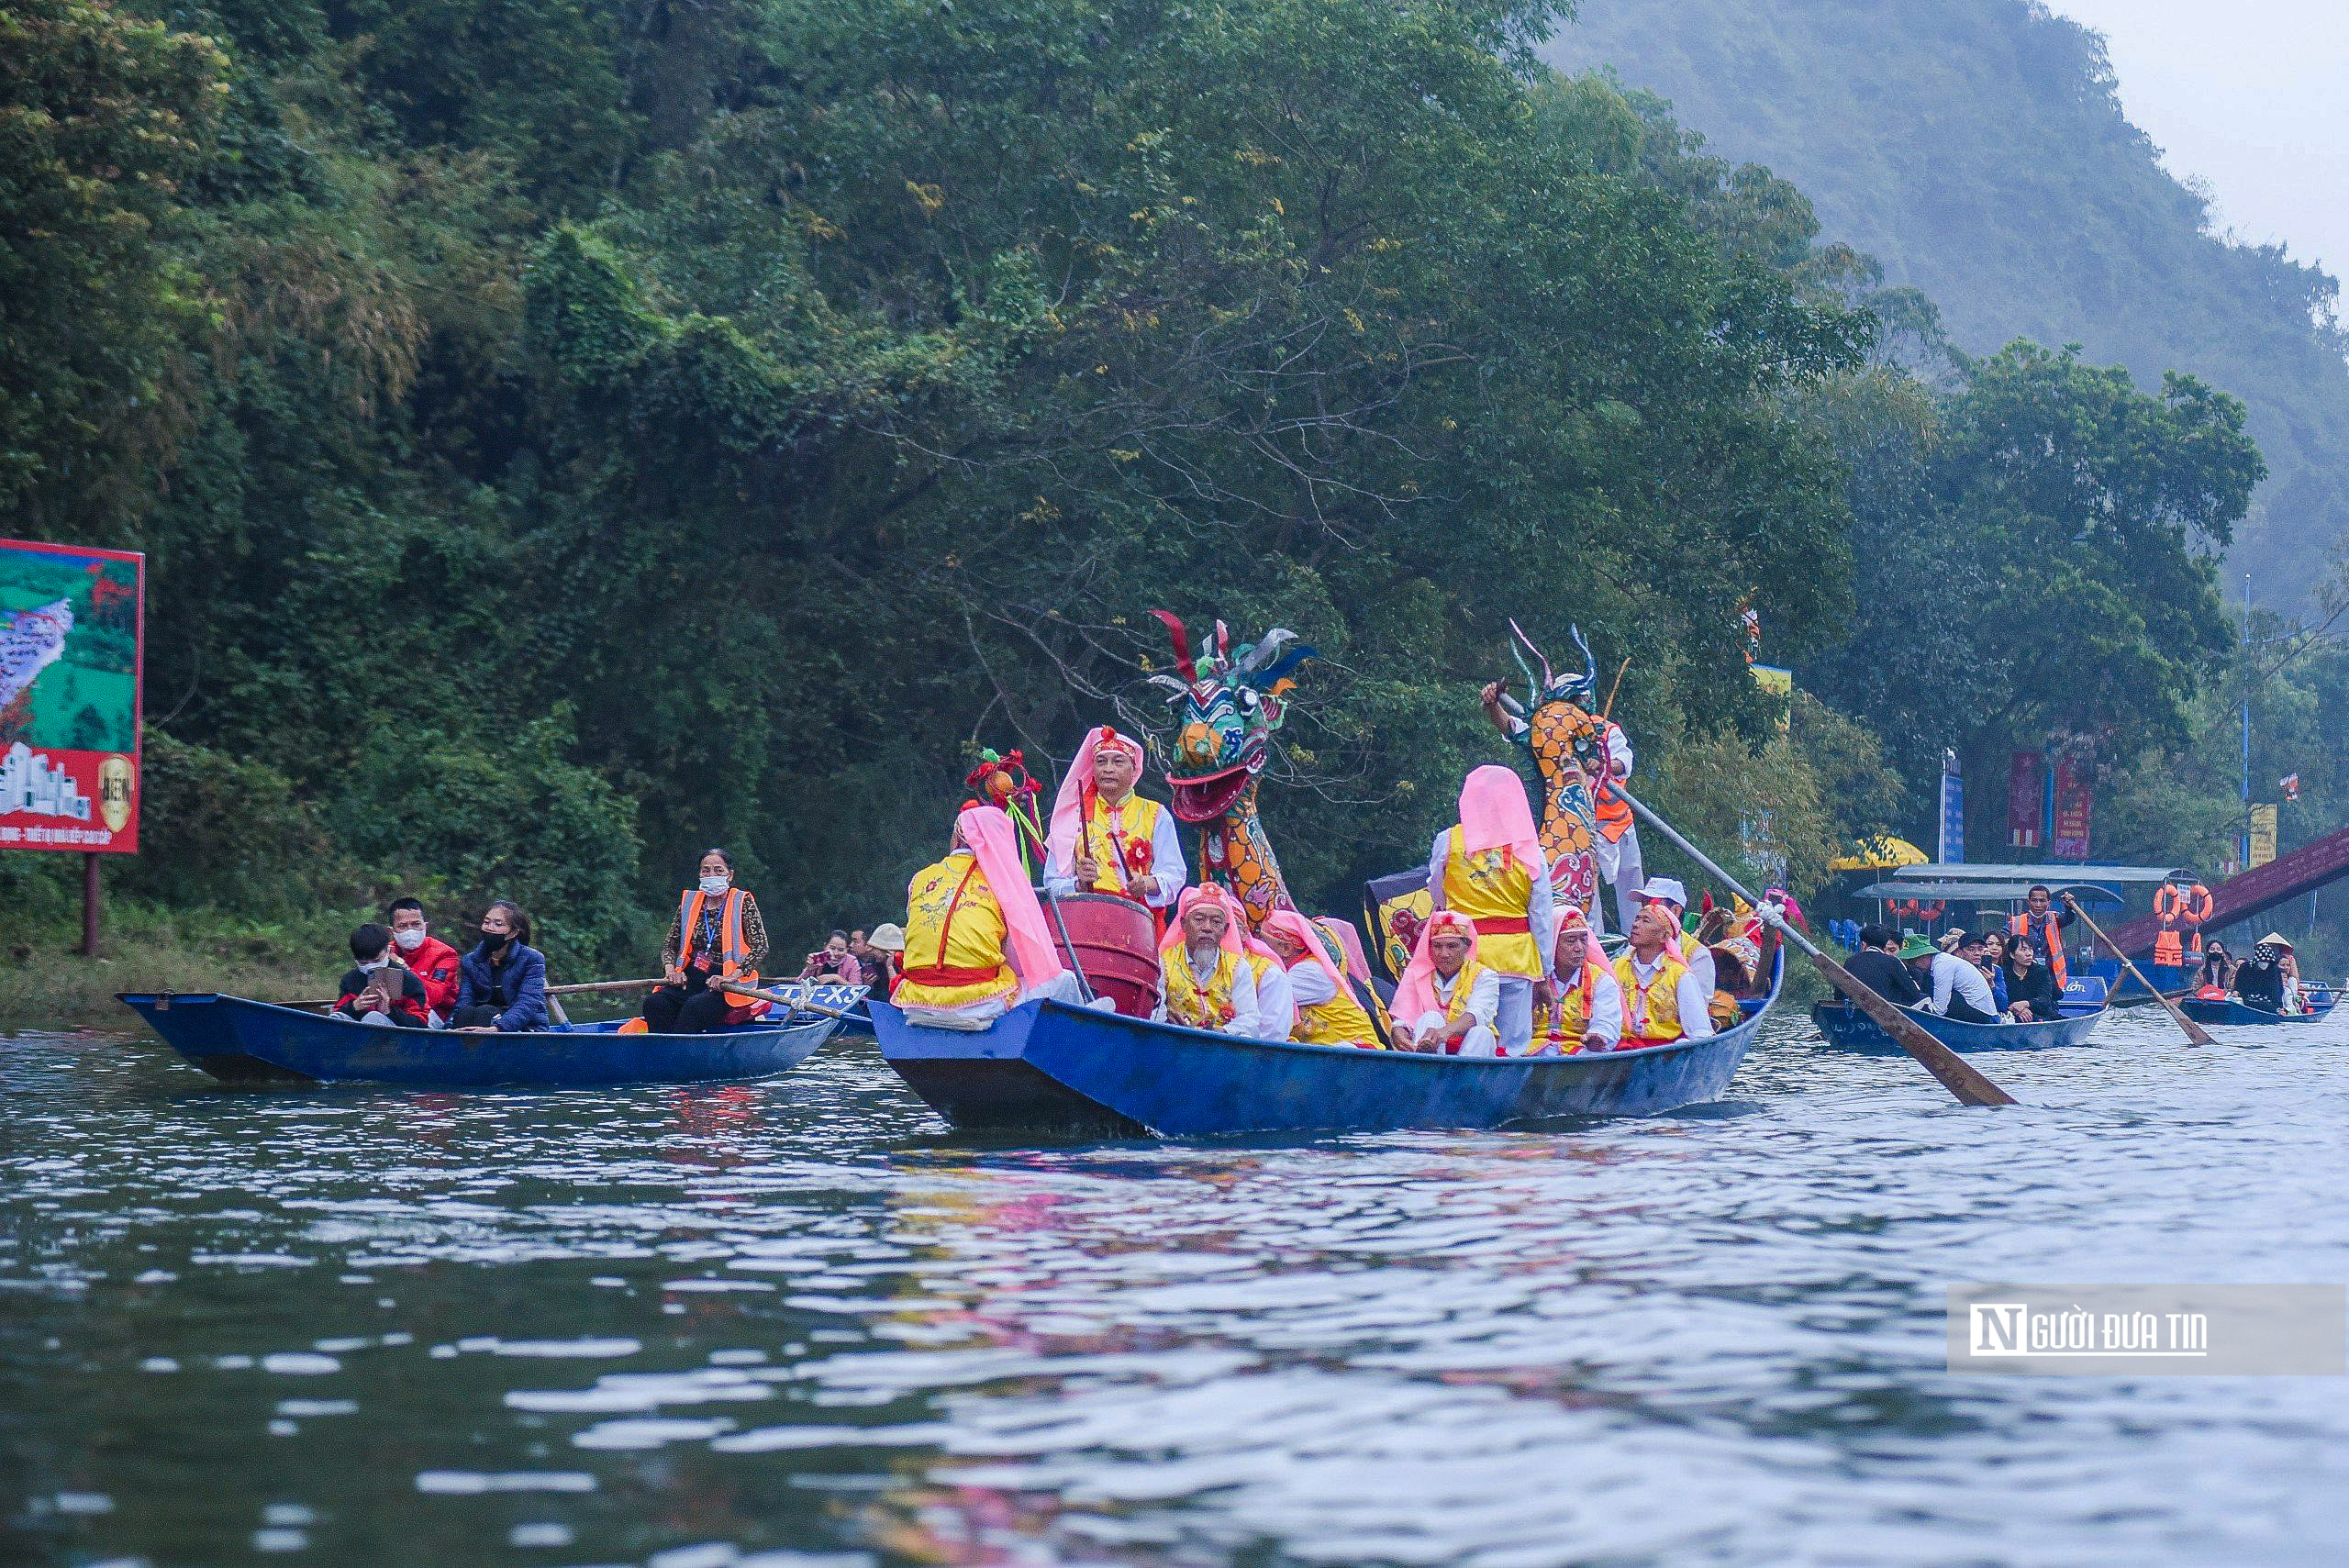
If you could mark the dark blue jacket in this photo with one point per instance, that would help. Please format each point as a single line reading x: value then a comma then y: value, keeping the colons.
x: 517, y: 985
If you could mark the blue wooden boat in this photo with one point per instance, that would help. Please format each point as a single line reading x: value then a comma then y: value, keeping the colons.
x: 2227, y: 1010
x: 1848, y: 1029
x: 1050, y: 1067
x: 242, y: 1041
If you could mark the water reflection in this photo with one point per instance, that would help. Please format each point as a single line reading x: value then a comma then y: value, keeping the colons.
x: 700, y: 1325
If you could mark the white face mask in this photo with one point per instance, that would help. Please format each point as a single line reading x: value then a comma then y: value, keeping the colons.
x: 714, y: 885
x: 409, y: 940
x: 372, y: 967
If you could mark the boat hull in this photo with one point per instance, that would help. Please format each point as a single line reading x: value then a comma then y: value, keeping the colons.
x: 1848, y: 1029
x: 1046, y: 1066
x: 243, y: 1041
x: 2227, y: 1010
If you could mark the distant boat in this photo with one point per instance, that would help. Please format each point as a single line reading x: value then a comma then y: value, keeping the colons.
x: 1848, y: 1029
x: 1046, y: 1066
x: 242, y: 1041
x: 2227, y: 1010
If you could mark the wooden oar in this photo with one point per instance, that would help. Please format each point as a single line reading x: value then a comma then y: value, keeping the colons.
x: 2195, y: 1032
x: 580, y: 990
x: 1959, y: 1076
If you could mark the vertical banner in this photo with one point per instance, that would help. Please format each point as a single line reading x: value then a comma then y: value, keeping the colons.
x: 2074, y: 805
x: 1779, y: 682
x: 2025, y: 789
x: 1953, y: 841
x: 72, y: 643
x: 2263, y: 834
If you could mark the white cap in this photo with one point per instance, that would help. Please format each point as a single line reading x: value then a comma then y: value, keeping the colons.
x: 1665, y: 890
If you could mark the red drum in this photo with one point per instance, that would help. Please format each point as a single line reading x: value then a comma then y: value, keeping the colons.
x: 1115, y: 945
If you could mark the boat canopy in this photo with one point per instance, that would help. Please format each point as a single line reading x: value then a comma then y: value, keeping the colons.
x: 1984, y: 892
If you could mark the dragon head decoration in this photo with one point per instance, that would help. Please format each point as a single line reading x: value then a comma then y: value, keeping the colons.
x: 1229, y: 702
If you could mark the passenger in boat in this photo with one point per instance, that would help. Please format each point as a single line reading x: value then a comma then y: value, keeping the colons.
x: 884, y: 959
x: 977, y: 943
x: 427, y: 957
x: 2045, y: 924
x: 1328, y: 1012
x: 1489, y: 867
x: 832, y: 964
x: 1994, y: 966
x: 502, y: 982
x: 1662, y: 999
x: 2031, y: 991
x: 1587, y: 1014
x: 1448, y: 999
x: 1106, y: 838
x: 1276, y: 996
x: 717, y: 935
x: 1206, y: 979
x: 2260, y: 980
x: 1953, y: 985
x: 1737, y: 966
x: 1668, y: 891
x: 1877, y: 966
x: 2217, y: 975
x: 378, y: 990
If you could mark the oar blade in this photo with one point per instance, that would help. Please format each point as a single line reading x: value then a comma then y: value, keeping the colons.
x: 1959, y: 1076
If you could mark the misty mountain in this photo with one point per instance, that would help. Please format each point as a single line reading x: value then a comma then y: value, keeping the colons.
x: 1978, y: 149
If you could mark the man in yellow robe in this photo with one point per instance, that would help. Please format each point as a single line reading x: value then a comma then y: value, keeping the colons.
x: 1105, y: 837
x: 1489, y: 867
x: 977, y: 943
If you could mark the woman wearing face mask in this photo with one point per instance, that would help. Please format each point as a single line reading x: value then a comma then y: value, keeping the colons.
x: 502, y: 983
x: 718, y: 935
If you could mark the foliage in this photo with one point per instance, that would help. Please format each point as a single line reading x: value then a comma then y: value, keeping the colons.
x: 596, y: 431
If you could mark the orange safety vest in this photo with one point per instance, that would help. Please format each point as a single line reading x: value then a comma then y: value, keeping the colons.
x: 2172, y: 947
x: 1607, y: 803
x: 2048, y: 941
x: 733, y: 956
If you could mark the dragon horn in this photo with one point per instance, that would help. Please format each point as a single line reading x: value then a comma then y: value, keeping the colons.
x: 1591, y: 663
x: 1548, y: 679
x: 1257, y: 655
x: 1176, y: 629
x: 1266, y: 677
x: 1223, y: 641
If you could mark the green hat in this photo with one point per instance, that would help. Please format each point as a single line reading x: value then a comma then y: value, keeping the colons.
x: 1917, y: 947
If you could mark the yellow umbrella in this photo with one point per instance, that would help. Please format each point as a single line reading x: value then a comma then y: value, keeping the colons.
x: 1882, y: 853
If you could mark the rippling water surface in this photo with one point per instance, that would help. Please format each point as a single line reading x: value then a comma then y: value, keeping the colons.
x: 800, y: 1323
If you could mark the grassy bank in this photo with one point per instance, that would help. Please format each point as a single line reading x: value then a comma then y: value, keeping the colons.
x: 45, y: 983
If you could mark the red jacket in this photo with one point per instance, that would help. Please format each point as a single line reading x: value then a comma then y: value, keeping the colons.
x: 435, y: 964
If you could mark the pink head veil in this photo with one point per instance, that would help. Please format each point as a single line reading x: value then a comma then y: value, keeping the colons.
x: 1068, y: 805
x: 1494, y: 814
x: 989, y: 833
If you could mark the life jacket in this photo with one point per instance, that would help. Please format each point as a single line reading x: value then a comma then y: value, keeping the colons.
x: 1125, y: 834
x: 954, y: 938
x: 1497, y: 892
x: 1607, y: 802
x: 1341, y: 1020
x: 2171, y: 947
x: 1187, y: 1003
x: 1651, y: 1012
x: 2049, y: 940
x: 733, y: 956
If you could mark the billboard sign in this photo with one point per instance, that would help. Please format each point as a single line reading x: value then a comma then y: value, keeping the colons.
x: 72, y: 648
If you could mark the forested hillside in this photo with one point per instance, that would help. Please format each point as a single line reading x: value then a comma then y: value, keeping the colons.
x: 566, y: 435
x: 1977, y: 149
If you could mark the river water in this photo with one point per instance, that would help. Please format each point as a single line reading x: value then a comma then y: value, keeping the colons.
x: 800, y: 1324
